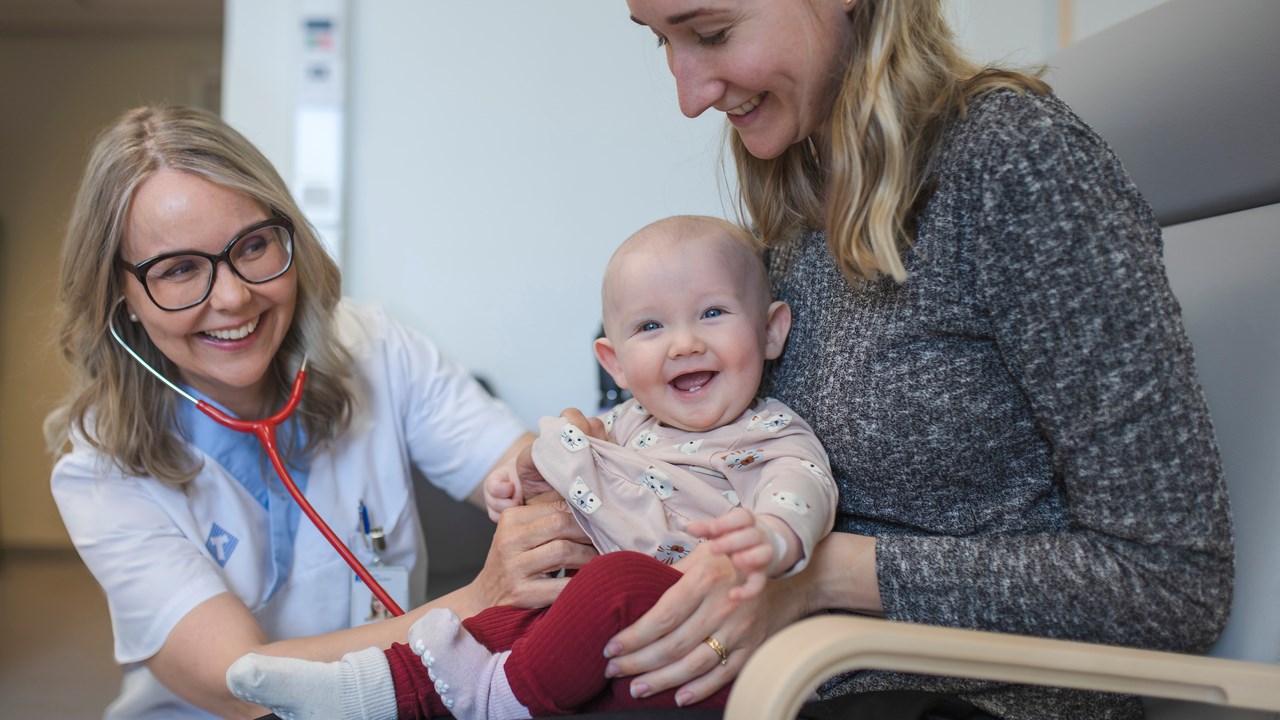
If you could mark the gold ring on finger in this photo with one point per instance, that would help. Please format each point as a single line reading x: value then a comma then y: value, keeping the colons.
x: 721, y: 653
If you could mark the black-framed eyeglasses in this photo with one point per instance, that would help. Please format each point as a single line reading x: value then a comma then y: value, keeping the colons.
x: 179, y: 280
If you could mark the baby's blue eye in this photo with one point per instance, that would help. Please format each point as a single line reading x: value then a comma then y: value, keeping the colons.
x: 712, y: 313
x: 646, y: 327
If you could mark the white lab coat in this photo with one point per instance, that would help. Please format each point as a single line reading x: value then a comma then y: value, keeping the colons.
x: 155, y: 549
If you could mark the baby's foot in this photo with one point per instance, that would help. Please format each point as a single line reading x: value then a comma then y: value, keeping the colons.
x: 358, y: 686
x: 468, y: 678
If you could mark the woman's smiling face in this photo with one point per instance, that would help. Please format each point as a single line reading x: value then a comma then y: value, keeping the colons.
x: 224, y: 346
x: 772, y: 66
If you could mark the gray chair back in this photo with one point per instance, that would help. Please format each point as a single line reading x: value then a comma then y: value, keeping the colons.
x: 1188, y: 95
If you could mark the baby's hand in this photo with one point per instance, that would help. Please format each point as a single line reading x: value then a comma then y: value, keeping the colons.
x: 515, y: 483
x: 750, y: 543
x: 502, y: 490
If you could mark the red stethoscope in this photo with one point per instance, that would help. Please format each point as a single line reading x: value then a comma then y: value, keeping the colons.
x: 265, y: 431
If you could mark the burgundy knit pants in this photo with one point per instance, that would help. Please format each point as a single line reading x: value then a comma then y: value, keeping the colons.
x: 556, y: 666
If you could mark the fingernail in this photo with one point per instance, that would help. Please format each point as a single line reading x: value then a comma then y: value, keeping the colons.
x: 612, y: 649
x: 639, y: 690
x: 683, y: 698
x: 611, y: 670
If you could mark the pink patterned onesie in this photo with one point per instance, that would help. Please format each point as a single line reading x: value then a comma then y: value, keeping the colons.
x: 638, y: 490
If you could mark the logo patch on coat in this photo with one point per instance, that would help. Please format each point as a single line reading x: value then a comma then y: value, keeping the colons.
x: 220, y: 544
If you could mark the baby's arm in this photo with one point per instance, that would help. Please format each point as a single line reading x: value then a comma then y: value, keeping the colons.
x: 760, y: 546
x: 516, y: 482
x: 788, y: 495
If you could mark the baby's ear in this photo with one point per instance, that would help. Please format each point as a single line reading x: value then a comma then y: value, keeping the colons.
x: 777, y: 325
x: 608, y: 358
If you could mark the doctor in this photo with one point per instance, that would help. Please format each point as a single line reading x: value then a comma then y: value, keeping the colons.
x: 202, y: 555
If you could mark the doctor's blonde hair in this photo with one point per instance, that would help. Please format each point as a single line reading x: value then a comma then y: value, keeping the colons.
x: 114, y: 403
x: 904, y: 79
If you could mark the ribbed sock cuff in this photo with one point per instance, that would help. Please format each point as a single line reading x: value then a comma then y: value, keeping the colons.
x: 367, y: 690
x: 502, y: 701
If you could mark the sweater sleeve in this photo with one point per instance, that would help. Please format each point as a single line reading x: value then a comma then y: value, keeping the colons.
x: 1067, y: 262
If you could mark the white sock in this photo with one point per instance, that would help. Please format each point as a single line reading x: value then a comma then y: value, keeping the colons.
x: 468, y: 678
x: 359, y: 686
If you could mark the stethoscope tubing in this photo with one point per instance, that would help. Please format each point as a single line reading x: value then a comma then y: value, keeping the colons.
x: 265, y: 431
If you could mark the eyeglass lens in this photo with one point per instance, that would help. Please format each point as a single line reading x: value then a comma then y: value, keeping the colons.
x: 184, y: 280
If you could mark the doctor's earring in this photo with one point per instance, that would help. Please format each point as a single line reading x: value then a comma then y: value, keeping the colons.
x: 133, y: 316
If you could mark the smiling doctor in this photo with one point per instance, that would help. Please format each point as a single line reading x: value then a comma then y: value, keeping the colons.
x: 185, y: 240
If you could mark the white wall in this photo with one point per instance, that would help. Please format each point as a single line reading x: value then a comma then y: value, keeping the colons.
x: 498, y: 152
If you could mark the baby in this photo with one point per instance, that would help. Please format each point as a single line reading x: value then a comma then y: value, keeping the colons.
x: 688, y: 328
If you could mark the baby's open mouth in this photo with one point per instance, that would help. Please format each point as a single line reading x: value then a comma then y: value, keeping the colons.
x: 692, y: 382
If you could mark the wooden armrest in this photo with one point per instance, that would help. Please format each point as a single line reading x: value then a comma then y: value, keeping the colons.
x: 789, y: 667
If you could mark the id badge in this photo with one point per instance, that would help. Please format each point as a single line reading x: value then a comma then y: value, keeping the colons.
x: 365, y: 606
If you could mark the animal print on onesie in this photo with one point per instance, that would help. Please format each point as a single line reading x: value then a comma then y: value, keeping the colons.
x: 638, y: 489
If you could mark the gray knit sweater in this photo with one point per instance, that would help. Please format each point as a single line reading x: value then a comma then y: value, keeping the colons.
x: 1019, y: 423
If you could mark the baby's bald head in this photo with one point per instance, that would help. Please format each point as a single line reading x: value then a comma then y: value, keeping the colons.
x: 736, y: 249
x: 688, y: 321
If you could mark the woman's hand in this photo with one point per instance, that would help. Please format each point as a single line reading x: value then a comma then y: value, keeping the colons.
x: 531, y: 543
x: 667, y: 647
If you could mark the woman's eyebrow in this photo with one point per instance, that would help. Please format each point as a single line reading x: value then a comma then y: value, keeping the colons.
x: 677, y: 19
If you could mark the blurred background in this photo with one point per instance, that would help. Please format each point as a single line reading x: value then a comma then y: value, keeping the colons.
x: 471, y: 165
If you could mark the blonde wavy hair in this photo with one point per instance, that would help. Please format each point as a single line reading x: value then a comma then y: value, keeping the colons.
x: 905, y: 77
x: 114, y: 403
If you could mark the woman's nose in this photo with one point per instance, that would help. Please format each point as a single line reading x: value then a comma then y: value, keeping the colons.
x: 696, y: 87
x: 228, y: 291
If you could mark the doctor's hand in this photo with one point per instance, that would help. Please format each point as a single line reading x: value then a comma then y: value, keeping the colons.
x: 532, y: 542
x: 668, y: 646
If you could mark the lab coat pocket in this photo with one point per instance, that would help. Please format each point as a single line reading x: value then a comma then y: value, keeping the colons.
x: 314, y: 600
